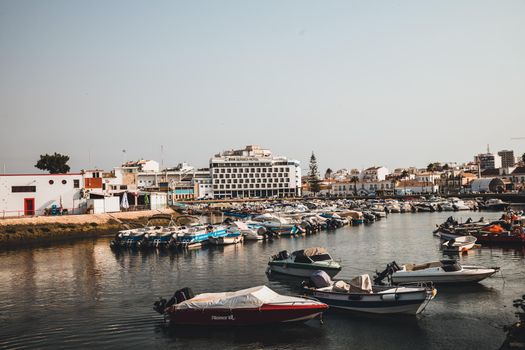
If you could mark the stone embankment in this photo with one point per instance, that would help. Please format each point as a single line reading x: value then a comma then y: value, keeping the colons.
x: 29, y: 230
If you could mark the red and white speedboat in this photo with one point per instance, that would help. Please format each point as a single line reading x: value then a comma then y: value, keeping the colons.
x: 252, y: 306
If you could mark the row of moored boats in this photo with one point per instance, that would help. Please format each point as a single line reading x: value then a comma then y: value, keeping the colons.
x: 405, y: 289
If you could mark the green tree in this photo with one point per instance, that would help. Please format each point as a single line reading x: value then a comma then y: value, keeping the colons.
x: 328, y: 174
x: 313, y: 175
x: 54, y: 163
x: 431, y: 167
x: 523, y: 157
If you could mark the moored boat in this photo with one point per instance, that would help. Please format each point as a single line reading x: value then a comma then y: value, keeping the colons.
x: 231, y: 237
x: 303, y: 262
x: 444, y: 271
x: 459, y: 244
x: 359, y: 295
x: 199, y: 235
x: 253, y: 306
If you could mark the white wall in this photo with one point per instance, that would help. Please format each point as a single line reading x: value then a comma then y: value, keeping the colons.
x: 46, y: 194
x: 104, y: 205
x: 158, y: 200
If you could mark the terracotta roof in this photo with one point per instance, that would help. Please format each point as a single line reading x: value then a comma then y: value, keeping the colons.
x: 469, y: 175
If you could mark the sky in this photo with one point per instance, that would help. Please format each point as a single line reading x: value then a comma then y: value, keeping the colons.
x: 360, y: 83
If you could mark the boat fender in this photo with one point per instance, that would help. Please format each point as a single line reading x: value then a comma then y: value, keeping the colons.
x: 389, y: 297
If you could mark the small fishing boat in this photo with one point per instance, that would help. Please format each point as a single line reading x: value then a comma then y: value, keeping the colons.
x: 359, y: 295
x: 253, y: 306
x: 231, y: 237
x: 496, y: 234
x: 276, y: 224
x: 495, y: 204
x: 459, y: 244
x: 444, y: 271
x: 356, y: 216
x: 199, y: 235
x: 138, y: 237
x: 303, y: 262
x: 160, y: 237
x: 252, y: 232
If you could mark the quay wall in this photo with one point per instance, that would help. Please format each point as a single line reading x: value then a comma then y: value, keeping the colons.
x: 34, y: 230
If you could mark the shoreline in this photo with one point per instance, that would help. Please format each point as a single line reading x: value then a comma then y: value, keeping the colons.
x: 18, y: 232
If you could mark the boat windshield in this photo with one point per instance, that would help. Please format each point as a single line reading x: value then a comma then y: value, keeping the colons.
x: 322, y: 257
x: 451, y: 267
x: 302, y: 259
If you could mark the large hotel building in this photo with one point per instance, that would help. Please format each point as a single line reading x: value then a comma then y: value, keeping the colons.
x: 254, y: 172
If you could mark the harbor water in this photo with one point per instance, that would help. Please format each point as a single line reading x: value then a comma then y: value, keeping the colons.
x: 84, y: 295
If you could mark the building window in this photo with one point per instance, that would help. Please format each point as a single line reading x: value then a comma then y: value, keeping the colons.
x: 64, y: 182
x: 51, y: 182
x: 20, y: 189
x: 76, y: 183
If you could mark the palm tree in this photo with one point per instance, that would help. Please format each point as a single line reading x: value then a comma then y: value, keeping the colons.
x: 355, y: 180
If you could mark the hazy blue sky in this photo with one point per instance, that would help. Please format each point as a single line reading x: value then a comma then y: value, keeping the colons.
x: 361, y: 83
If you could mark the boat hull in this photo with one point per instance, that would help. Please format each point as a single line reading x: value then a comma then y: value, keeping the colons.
x: 467, y: 276
x: 504, y: 238
x: 226, y: 240
x: 301, y: 271
x: 399, y: 303
x: 266, y: 314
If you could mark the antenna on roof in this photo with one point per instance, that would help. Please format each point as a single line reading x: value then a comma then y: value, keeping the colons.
x: 162, y: 156
x: 488, y: 148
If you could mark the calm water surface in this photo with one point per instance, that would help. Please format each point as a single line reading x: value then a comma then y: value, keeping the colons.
x: 83, y: 295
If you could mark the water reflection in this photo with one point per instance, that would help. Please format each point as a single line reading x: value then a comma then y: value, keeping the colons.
x: 83, y: 294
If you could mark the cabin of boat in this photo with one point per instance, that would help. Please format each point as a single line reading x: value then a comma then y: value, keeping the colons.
x: 303, y: 262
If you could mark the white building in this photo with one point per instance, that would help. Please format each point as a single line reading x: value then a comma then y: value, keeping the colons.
x: 376, y: 173
x: 406, y: 187
x: 432, y: 177
x: 142, y: 165
x: 39, y: 194
x: 181, y: 182
x: 254, y: 172
x: 362, y: 188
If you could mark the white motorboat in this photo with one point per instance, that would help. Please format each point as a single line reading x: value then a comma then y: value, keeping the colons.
x: 459, y: 244
x: 458, y: 204
x: 303, y: 262
x: 274, y: 223
x: 250, y: 232
x: 231, y: 237
x: 361, y: 296
x: 444, y: 271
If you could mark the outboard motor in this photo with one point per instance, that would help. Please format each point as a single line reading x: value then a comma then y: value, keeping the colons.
x: 178, y: 297
x: 319, y: 279
x: 387, y: 273
x: 183, y: 294
x: 160, y: 305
